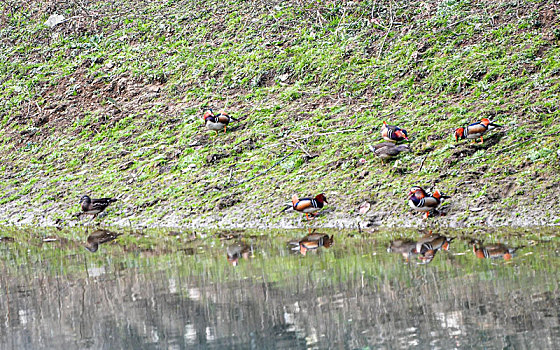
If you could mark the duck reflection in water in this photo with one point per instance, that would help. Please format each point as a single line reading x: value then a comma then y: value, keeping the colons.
x: 426, y: 247
x: 99, y: 237
x: 238, y: 250
x: 493, y: 251
x: 312, y: 241
x: 405, y: 247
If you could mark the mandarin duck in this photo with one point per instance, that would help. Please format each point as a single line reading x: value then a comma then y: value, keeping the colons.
x: 493, y: 251
x: 475, y: 130
x: 309, y: 205
x: 312, y: 242
x: 216, y: 122
x: 393, y: 133
x: 99, y: 237
x: 236, y: 251
x: 420, y: 200
x: 94, y: 206
x: 388, y: 150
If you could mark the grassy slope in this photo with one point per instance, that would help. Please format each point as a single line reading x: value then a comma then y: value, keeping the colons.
x: 109, y: 103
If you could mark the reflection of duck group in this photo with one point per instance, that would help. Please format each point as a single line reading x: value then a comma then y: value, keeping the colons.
x: 427, y: 247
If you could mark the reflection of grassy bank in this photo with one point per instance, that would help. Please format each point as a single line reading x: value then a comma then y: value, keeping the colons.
x: 109, y: 103
x: 203, y: 253
x: 159, y: 289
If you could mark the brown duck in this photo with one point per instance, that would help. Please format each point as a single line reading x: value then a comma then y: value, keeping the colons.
x: 388, y: 150
x: 94, y: 206
x: 475, y: 130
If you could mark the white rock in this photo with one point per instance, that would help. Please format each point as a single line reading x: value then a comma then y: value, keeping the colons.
x: 54, y: 20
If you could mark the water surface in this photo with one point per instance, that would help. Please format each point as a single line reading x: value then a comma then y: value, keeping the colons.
x: 262, y: 290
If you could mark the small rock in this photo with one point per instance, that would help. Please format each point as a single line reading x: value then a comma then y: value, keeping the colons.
x: 53, y: 20
x: 284, y: 77
x: 364, y: 207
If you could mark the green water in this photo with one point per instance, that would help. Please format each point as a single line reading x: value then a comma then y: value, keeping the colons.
x: 175, y: 290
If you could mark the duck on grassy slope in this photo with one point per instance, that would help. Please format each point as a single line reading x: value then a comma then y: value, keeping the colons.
x: 475, y: 130
x: 393, y: 133
x: 94, y: 206
x: 388, y: 150
x: 216, y: 122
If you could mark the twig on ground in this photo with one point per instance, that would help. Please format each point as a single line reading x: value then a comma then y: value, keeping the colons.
x: 297, y: 145
x: 324, y: 134
x: 454, y: 24
x: 518, y: 143
x: 388, y: 30
x: 422, y: 164
x: 320, y: 18
x: 262, y: 172
x: 529, y: 139
x: 230, y: 173
x: 79, y: 4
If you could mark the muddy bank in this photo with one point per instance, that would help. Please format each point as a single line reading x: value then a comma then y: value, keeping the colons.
x: 452, y: 215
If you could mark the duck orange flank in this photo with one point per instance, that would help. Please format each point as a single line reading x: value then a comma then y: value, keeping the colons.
x: 393, y: 133
x: 493, y: 251
x: 420, y: 200
x: 309, y: 205
x: 475, y: 130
